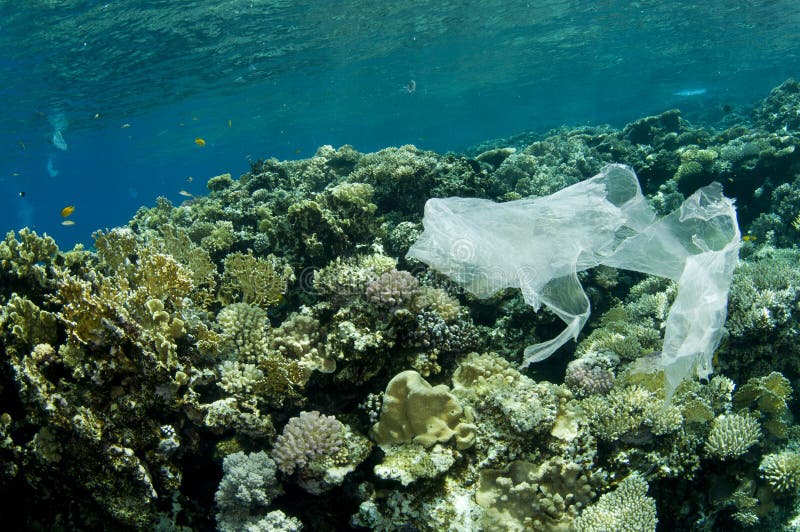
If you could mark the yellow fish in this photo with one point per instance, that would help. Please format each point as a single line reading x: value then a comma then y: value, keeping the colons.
x: 199, y: 141
x: 186, y: 193
x: 66, y: 211
x: 749, y: 238
x: 68, y: 222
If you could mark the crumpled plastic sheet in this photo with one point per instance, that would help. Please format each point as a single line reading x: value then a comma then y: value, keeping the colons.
x: 540, y: 244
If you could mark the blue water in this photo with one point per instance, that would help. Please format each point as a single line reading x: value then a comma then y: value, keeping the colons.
x: 131, y: 84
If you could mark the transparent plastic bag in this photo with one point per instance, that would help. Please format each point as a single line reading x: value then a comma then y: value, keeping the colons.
x: 540, y: 244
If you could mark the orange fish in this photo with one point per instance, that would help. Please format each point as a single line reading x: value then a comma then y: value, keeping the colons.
x: 199, y: 141
x: 68, y: 222
x: 66, y: 211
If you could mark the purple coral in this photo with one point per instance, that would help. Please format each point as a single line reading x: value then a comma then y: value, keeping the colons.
x: 586, y: 379
x: 305, y: 439
x: 393, y: 289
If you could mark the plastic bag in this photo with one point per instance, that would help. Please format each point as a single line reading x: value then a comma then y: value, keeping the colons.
x: 540, y: 244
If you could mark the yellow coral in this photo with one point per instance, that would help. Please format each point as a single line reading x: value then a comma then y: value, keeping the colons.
x: 23, y: 257
x: 253, y: 280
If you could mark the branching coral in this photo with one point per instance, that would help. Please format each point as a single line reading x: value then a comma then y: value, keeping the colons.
x: 253, y: 280
x: 732, y: 435
x: 626, y: 509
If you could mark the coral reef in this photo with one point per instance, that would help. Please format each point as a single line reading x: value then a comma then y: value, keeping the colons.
x: 266, y: 358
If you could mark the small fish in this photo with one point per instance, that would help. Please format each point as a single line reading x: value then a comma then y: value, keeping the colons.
x: 186, y: 193
x: 21, y: 193
x: 411, y: 86
x: 189, y: 179
x: 66, y: 211
x: 195, y: 118
x: 230, y: 123
x: 125, y: 126
x: 21, y: 144
x: 68, y: 222
x: 298, y: 151
x: 199, y: 141
x: 96, y: 116
x: 14, y: 174
x: 749, y: 238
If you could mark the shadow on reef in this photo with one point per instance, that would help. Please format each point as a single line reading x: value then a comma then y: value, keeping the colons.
x: 266, y: 358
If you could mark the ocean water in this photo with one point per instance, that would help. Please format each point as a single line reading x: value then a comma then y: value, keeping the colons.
x: 103, y: 100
